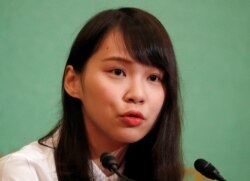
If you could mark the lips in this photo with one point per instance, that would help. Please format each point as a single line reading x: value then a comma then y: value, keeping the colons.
x: 132, y: 118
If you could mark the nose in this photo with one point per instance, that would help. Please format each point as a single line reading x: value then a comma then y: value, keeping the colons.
x: 135, y: 93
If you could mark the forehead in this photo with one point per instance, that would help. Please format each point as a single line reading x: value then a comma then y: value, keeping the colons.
x: 113, y: 42
x: 121, y: 43
x: 112, y: 47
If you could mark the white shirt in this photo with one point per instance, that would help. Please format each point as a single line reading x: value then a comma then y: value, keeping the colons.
x: 35, y: 162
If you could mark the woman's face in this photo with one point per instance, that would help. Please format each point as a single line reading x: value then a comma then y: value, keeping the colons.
x: 121, y: 98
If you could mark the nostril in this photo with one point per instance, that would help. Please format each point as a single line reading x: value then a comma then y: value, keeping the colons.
x: 131, y: 100
x: 136, y: 101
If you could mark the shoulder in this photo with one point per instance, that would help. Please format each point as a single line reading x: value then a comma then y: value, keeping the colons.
x: 32, y: 162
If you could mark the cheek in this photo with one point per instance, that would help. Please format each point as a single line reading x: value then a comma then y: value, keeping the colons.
x: 100, y: 92
x: 157, y: 103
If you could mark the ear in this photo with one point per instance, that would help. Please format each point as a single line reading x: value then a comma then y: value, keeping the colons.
x: 72, y: 82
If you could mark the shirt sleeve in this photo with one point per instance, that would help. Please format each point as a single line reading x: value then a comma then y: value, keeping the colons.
x: 16, y: 168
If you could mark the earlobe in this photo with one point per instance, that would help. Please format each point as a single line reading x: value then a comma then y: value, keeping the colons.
x: 72, y: 82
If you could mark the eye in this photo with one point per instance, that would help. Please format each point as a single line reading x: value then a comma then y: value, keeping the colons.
x: 118, y: 72
x: 154, y: 78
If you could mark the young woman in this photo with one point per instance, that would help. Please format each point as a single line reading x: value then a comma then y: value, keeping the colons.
x: 119, y: 95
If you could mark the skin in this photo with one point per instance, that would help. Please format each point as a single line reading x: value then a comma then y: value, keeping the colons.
x: 121, y: 98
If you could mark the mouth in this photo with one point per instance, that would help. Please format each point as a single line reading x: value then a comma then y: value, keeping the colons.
x: 132, y: 118
x: 134, y: 114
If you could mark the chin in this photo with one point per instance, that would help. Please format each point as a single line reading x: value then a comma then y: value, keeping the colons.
x: 130, y: 138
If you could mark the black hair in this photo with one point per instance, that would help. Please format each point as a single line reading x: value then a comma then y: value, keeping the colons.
x: 158, y: 155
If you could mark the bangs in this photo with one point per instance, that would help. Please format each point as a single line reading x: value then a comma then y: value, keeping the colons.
x: 146, y: 40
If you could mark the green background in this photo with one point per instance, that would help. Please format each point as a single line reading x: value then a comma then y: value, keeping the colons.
x: 211, y: 40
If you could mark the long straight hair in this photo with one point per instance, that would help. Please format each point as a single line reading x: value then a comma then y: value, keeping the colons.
x: 158, y: 155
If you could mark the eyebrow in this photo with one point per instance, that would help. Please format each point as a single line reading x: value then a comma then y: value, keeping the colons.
x: 119, y: 59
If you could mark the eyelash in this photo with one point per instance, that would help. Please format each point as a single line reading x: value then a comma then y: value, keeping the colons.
x: 155, y: 78
x: 120, y: 72
x: 117, y: 72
